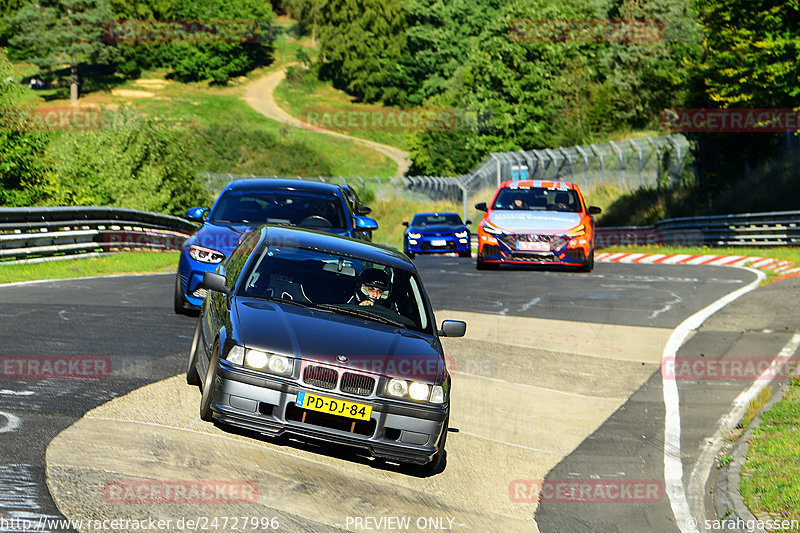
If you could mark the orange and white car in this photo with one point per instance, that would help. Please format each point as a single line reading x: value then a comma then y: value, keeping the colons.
x: 537, y: 222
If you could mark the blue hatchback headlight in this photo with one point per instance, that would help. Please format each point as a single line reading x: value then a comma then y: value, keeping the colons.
x: 415, y: 235
x: 205, y: 255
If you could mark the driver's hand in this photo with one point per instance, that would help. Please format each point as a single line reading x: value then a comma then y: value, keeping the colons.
x: 366, y: 302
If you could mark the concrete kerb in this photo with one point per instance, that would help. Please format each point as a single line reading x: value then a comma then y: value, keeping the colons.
x: 785, y: 268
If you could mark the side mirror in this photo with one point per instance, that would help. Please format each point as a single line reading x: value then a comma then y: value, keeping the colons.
x: 453, y: 328
x: 594, y: 210
x: 481, y: 206
x: 214, y: 282
x: 196, y: 213
x: 405, y: 223
x: 468, y: 222
x: 366, y: 223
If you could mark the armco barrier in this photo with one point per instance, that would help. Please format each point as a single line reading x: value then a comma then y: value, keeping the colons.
x: 750, y: 229
x: 35, y: 232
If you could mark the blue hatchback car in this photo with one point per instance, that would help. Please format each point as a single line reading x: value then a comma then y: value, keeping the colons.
x: 247, y: 204
x: 437, y: 233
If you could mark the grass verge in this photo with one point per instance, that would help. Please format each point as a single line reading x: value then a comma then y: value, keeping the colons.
x: 771, y: 473
x: 120, y: 263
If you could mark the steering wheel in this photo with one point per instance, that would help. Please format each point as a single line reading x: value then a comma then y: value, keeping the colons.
x: 317, y: 221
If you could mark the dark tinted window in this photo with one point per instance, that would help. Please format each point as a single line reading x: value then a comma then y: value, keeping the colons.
x: 537, y: 199
x: 447, y: 219
x: 281, y: 207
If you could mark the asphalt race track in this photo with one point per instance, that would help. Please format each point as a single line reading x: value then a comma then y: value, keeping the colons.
x: 558, y: 379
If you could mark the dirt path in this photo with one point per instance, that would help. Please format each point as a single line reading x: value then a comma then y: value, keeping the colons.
x: 259, y: 95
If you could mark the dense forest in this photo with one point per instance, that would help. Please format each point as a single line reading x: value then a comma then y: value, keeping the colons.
x: 518, y: 74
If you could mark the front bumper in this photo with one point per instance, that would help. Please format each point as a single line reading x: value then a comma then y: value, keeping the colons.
x: 398, y: 432
x: 437, y: 244
x: 191, y: 275
x: 558, y: 249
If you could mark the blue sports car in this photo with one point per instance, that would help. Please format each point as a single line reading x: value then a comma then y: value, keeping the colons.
x: 437, y: 233
x: 247, y: 204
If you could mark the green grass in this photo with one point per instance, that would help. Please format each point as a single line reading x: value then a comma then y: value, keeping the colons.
x: 294, y: 151
x: 771, y: 473
x: 299, y: 97
x: 120, y: 263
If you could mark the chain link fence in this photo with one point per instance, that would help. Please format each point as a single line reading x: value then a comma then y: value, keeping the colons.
x: 653, y: 162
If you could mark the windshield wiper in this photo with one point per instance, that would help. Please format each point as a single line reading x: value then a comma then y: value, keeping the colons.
x: 282, y: 300
x: 363, y: 314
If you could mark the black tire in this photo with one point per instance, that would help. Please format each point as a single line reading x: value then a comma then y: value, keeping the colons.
x: 588, y: 266
x: 483, y: 265
x: 208, y: 387
x: 178, y: 303
x: 192, y: 377
x: 433, y: 465
x: 468, y: 253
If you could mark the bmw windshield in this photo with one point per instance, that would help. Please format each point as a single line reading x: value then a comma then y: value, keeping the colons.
x: 340, y: 284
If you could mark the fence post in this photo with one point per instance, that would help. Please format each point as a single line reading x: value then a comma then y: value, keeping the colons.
x: 639, y: 151
x: 658, y: 161
x: 585, y: 166
x: 619, y: 154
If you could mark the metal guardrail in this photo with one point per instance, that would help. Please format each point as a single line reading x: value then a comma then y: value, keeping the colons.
x: 781, y: 228
x: 33, y: 233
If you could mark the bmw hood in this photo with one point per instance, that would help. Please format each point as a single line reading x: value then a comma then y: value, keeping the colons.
x: 339, y: 340
x: 532, y: 221
x: 220, y: 237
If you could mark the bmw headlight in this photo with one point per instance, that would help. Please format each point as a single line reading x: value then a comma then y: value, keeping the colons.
x: 415, y: 235
x: 419, y: 391
x: 397, y: 388
x: 236, y: 355
x: 205, y: 255
x: 462, y: 234
x: 268, y: 362
x: 414, y: 390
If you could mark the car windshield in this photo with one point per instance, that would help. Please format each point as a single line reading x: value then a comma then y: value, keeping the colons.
x: 285, y: 207
x: 340, y: 284
x: 537, y: 199
x: 448, y: 219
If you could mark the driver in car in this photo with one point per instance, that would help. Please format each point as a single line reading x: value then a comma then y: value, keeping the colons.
x: 373, y: 288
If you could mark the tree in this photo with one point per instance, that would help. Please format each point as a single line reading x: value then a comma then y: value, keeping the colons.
x: 24, y: 172
x: 360, y: 44
x: 63, y: 32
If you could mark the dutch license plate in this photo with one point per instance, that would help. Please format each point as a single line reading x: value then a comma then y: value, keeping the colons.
x: 332, y: 406
x: 438, y: 242
x: 533, y: 246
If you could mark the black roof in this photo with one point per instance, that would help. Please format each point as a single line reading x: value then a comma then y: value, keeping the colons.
x: 317, y: 240
x: 277, y: 183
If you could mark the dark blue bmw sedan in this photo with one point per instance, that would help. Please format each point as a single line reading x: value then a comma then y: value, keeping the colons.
x: 326, y: 338
x: 437, y: 233
x: 246, y: 204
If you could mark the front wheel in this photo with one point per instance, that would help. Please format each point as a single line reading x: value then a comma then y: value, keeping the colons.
x: 177, y: 299
x: 466, y: 253
x: 192, y: 377
x: 588, y: 266
x: 209, y: 384
x: 483, y: 265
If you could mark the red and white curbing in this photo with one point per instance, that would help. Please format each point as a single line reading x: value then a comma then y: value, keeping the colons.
x: 763, y: 263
